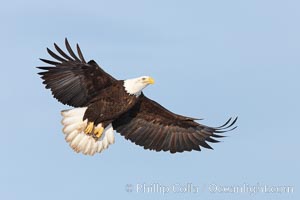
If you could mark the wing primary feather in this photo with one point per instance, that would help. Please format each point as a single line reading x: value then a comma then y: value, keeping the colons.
x: 80, y: 54
x: 205, y: 145
x: 209, y: 139
x: 49, y: 62
x: 45, y: 68
x: 233, y: 122
x: 224, y: 123
x: 225, y: 126
x: 55, y: 56
x: 62, y: 52
x: 217, y: 131
x: 71, y: 52
x: 224, y: 131
x: 218, y: 136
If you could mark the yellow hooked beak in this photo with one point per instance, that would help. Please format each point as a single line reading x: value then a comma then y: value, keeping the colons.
x: 150, y: 80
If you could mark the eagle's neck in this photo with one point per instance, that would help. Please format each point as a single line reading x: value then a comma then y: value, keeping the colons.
x: 132, y: 87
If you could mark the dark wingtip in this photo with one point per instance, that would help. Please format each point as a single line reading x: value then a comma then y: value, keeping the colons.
x: 209, y: 139
x: 80, y: 53
x: 225, y: 126
x: 55, y: 56
x: 49, y: 62
x: 234, y: 121
x: 220, y: 127
x: 43, y: 68
x: 62, y: 53
x: 218, y: 136
x: 71, y: 52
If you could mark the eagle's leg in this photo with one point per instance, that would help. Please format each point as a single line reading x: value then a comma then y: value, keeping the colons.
x: 89, y: 128
x: 98, y: 131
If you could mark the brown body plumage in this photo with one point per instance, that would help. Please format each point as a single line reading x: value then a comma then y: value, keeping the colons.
x: 109, y: 104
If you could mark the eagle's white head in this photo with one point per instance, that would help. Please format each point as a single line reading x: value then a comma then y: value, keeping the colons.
x: 135, y: 86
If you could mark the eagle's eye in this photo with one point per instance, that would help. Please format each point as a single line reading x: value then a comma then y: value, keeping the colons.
x: 143, y: 79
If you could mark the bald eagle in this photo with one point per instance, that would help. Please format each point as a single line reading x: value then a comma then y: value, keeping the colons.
x: 103, y: 104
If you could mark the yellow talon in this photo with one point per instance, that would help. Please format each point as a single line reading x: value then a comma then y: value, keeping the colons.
x: 89, y: 128
x: 98, y: 131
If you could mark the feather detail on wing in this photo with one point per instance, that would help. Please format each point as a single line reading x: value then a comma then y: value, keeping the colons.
x: 150, y: 125
x: 72, y: 80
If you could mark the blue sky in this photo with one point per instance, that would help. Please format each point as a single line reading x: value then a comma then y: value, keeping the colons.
x: 210, y: 59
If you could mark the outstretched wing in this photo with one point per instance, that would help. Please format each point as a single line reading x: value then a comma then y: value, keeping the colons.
x: 72, y: 80
x: 152, y: 126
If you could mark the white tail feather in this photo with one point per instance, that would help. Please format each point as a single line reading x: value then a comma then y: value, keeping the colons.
x: 77, y: 139
x: 69, y: 137
x: 70, y: 120
x: 105, y: 143
x: 72, y: 127
x: 88, y: 146
x: 93, y: 148
x: 99, y: 147
x: 84, y: 141
x: 110, y: 135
